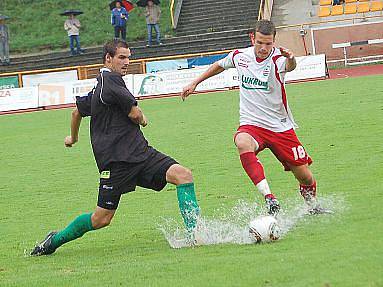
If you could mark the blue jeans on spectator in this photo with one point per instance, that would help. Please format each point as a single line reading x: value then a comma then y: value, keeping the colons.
x: 336, y: 2
x: 118, y: 30
x: 157, y: 29
x: 72, y: 39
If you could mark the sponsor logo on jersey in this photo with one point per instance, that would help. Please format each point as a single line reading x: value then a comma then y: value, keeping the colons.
x: 242, y: 65
x: 251, y: 83
x: 105, y: 174
x: 245, y: 60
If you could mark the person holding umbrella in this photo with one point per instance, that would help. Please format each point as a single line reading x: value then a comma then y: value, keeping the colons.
x: 119, y: 17
x: 127, y: 4
x: 153, y: 13
x: 4, y: 41
x: 72, y: 26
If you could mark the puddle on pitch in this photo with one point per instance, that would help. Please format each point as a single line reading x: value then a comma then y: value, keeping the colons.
x: 231, y: 225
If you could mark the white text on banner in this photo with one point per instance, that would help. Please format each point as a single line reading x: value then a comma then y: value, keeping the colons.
x: 18, y: 99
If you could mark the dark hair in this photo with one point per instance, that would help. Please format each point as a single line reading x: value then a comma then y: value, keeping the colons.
x: 265, y: 27
x: 110, y: 47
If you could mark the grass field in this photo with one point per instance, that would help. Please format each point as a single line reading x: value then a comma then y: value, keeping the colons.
x: 44, y: 186
x: 36, y: 24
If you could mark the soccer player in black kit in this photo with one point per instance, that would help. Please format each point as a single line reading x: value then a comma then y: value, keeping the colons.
x: 123, y: 156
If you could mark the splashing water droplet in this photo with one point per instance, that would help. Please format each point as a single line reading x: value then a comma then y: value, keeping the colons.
x: 232, y: 225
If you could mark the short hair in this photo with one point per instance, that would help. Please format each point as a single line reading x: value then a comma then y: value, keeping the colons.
x: 265, y: 27
x: 110, y: 47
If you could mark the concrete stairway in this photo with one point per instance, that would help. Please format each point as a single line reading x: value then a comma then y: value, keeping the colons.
x: 205, y: 16
x: 290, y: 12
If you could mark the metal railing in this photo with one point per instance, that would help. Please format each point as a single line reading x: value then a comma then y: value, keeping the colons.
x: 353, y: 20
x: 265, y: 9
x: 175, y: 12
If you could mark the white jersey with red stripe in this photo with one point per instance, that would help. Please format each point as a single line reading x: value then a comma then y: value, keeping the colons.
x: 263, y: 101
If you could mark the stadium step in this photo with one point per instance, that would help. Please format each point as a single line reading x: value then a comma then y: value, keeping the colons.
x: 197, y: 27
x: 210, y: 13
x: 228, y: 19
x: 223, y: 9
x: 199, y: 16
x: 212, y: 29
x: 214, y: 4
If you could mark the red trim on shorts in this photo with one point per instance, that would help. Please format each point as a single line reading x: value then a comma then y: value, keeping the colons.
x: 284, y: 97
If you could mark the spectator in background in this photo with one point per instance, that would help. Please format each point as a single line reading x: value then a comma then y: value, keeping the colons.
x: 338, y: 2
x: 153, y: 13
x: 119, y: 18
x: 72, y: 26
x: 4, y: 42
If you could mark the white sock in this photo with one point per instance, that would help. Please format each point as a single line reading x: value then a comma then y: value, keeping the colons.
x: 263, y: 187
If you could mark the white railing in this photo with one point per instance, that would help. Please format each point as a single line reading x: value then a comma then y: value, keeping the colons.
x: 175, y: 12
x: 265, y: 9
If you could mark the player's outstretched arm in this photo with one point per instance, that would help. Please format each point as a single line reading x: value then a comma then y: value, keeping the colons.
x: 213, y: 70
x: 291, y: 63
x: 74, y: 128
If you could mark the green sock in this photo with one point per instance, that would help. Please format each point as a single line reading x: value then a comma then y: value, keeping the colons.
x: 77, y: 228
x: 188, y: 205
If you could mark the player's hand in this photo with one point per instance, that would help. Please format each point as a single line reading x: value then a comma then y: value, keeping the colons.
x: 69, y: 141
x: 286, y: 53
x: 144, y: 121
x: 189, y: 89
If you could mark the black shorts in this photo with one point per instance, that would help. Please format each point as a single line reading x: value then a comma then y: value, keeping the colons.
x: 122, y: 177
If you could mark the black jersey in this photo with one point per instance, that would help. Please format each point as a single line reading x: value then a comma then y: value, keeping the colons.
x: 115, y: 138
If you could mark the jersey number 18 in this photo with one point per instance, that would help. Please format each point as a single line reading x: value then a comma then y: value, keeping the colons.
x: 299, y: 152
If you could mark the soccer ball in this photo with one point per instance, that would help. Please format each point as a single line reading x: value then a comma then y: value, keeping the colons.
x: 264, y: 229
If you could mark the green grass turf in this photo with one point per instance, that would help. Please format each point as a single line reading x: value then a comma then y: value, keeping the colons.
x: 36, y: 24
x: 44, y: 186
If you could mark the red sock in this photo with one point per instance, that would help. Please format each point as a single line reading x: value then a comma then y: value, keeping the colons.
x: 253, y: 167
x: 310, y: 189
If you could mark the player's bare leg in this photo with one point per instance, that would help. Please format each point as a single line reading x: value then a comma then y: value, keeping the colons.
x: 247, y: 146
x: 102, y: 217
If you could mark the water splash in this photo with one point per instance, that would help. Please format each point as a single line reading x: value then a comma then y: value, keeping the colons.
x: 231, y: 225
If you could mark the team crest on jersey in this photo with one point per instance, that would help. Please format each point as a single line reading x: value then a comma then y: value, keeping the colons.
x: 266, y: 71
x: 252, y: 83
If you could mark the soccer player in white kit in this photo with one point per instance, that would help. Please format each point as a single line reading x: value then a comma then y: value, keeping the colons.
x: 265, y: 118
